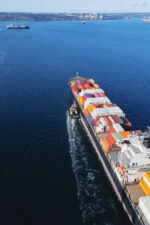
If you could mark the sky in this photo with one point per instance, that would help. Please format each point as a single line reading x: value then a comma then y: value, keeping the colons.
x: 54, y: 6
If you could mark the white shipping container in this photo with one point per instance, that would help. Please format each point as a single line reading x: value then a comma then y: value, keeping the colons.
x: 92, y: 81
x: 118, y: 127
x: 147, y: 182
x: 94, y: 114
x: 101, y: 111
x: 144, y: 205
x: 103, y: 121
x: 111, y: 119
x: 96, y: 100
x: 107, y: 111
x: 116, y: 111
x: 91, y: 91
x: 100, y: 129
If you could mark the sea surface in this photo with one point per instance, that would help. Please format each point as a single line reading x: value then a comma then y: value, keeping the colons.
x: 49, y: 173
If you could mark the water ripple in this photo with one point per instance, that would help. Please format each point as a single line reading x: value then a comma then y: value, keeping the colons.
x: 88, y: 191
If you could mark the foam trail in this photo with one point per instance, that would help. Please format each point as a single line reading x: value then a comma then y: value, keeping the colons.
x: 89, y: 192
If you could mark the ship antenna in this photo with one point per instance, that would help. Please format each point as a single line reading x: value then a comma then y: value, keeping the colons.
x: 77, y: 74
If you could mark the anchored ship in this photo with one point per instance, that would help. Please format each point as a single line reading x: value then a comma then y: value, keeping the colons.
x: 124, y: 153
x: 146, y: 21
x: 11, y: 26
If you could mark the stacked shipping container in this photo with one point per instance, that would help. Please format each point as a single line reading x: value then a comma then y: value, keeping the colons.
x: 102, y: 115
x: 145, y: 183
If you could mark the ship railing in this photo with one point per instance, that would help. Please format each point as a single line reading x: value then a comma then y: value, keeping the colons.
x: 78, y: 78
x: 130, y: 183
x: 137, y: 209
x: 141, y: 216
x: 143, y: 168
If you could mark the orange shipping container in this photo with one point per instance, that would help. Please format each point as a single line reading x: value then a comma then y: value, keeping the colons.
x: 108, y: 140
x: 72, y: 84
x: 86, y: 112
x: 87, y: 86
x: 89, y: 108
x: 105, y: 145
x: 112, y: 138
x: 101, y: 141
x: 96, y: 85
x: 145, y: 188
x: 93, y: 107
x: 121, y: 169
x: 124, y: 134
x: 111, y: 129
x: 81, y: 100
x: 147, y: 176
x: 97, y: 120
x: 108, y: 121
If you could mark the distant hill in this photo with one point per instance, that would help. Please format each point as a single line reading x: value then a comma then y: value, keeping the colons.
x: 69, y: 16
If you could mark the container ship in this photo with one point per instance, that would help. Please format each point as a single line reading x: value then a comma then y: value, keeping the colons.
x: 11, y: 26
x: 124, y: 153
x: 146, y: 21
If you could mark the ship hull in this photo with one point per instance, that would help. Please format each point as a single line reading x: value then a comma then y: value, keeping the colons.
x: 117, y: 186
x: 17, y: 27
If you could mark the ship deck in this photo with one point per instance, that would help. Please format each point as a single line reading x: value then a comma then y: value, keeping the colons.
x: 129, y: 196
x: 135, y: 192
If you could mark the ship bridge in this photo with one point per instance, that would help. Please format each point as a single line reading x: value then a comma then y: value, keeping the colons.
x: 137, y: 153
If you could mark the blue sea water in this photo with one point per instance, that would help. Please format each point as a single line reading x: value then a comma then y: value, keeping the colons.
x: 49, y: 173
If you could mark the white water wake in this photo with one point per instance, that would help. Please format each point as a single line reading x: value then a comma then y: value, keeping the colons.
x: 88, y: 190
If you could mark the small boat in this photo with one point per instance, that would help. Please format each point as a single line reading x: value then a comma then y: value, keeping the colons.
x: 74, y: 112
x: 83, y: 22
x: 11, y: 26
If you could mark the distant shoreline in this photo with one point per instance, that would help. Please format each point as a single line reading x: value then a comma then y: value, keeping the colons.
x: 5, y: 16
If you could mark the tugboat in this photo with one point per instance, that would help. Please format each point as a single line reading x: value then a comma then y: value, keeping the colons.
x: 74, y: 112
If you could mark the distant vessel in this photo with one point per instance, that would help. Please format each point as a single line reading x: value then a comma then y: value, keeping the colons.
x: 11, y: 26
x: 83, y: 22
x: 148, y: 21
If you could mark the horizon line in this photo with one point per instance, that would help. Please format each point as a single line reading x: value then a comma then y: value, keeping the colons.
x: 71, y: 12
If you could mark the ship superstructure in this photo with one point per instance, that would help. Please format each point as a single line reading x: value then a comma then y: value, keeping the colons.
x: 135, y: 156
x: 124, y: 153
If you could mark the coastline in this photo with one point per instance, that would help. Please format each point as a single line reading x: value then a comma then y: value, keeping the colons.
x: 20, y: 16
